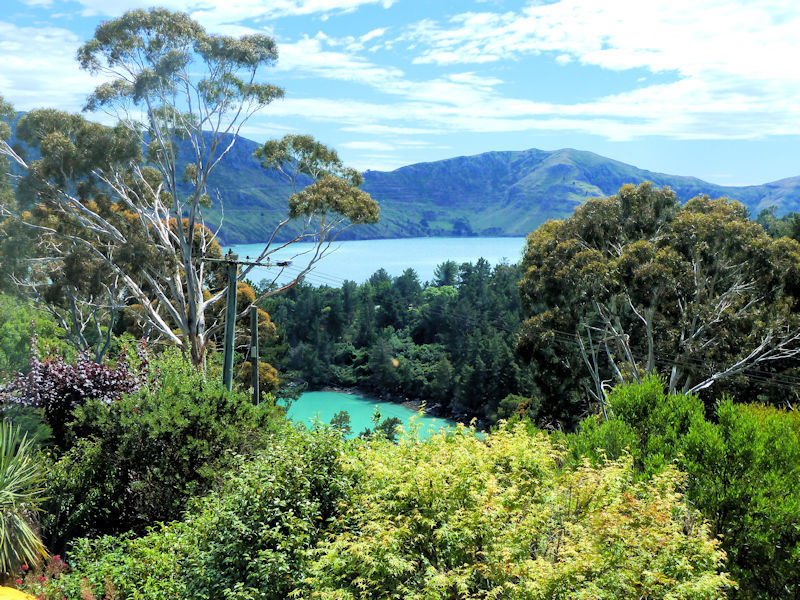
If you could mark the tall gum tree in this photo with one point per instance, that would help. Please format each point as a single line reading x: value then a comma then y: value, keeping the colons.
x: 169, y: 82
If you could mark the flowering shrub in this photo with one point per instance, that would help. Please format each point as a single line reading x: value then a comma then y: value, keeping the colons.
x: 58, y: 387
x: 37, y: 581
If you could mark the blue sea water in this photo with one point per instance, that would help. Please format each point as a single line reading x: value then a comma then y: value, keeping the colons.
x: 358, y: 260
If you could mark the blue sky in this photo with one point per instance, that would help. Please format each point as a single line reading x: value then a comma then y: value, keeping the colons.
x: 708, y: 88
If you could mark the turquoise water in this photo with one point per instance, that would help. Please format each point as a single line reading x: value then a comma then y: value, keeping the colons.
x: 322, y: 406
x: 357, y: 260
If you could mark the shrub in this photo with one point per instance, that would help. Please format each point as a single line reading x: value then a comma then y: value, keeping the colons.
x: 58, y: 387
x: 250, y: 539
x: 19, y: 321
x: 455, y: 517
x: 742, y: 471
x: 138, y: 460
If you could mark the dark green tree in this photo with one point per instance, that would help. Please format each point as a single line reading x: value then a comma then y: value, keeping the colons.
x: 635, y: 284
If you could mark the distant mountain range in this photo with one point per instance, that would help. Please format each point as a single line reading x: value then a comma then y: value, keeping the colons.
x: 490, y: 194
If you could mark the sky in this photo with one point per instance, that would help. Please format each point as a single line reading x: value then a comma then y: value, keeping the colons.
x: 708, y: 88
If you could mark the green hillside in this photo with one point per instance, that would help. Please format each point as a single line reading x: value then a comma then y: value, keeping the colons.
x: 490, y: 194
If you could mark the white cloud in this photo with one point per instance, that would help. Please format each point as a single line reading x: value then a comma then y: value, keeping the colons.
x: 733, y: 61
x: 729, y: 67
x: 369, y: 145
x: 213, y: 13
x: 311, y: 56
x: 375, y: 33
x: 39, y: 68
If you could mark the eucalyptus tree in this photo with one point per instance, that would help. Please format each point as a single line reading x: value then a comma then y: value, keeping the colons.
x: 636, y: 283
x: 171, y: 85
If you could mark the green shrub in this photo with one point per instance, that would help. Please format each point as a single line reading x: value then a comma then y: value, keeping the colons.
x: 743, y: 472
x: 458, y: 517
x: 453, y: 517
x: 745, y: 478
x: 644, y: 421
x: 137, y: 460
x: 19, y: 322
x: 251, y: 539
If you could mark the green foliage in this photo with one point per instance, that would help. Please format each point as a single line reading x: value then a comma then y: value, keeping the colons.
x: 786, y: 226
x: 251, y: 539
x: 20, y: 496
x: 156, y: 47
x: 341, y: 422
x: 742, y: 472
x: 139, y: 459
x: 450, y: 344
x: 19, y: 322
x: 333, y: 194
x: 459, y: 518
x: 635, y: 283
x: 452, y: 517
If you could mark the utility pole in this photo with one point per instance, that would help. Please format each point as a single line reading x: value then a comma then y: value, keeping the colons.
x: 254, y: 354
x: 232, y: 270
x: 232, y: 262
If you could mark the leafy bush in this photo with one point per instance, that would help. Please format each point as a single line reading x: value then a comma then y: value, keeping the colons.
x: 250, y: 539
x: 646, y: 422
x: 742, y: 471
x: 58, y: 387
x: 138, y: 460
x: 455, y: 517
x: 452, y: 517
x: 19, y: 321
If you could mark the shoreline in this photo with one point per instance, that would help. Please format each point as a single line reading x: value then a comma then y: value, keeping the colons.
x: 415, y: 404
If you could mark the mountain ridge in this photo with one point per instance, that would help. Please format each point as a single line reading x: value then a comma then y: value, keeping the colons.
x: 494, y: 193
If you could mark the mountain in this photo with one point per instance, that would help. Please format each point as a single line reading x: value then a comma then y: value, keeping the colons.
x: 490, y: 194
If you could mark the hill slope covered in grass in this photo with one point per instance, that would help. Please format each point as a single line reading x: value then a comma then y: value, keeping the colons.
x: 490, y: 194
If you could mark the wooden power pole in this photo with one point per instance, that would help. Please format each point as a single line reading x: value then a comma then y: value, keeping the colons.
x: 254, y: 354
x: 232, y: 270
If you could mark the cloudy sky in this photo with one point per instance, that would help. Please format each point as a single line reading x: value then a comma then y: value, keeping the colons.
x: 709, y: 88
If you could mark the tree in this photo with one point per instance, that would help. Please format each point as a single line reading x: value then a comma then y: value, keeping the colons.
x: 49, y: 252
x: 174, y: 86
x: 635, y: 284
x: 786, y: 226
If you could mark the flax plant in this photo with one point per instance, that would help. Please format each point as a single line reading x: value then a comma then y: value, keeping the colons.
x: 20, y: 493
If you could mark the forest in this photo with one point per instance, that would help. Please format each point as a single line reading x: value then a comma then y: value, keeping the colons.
x: 627, y: 392
x: 488, y: 342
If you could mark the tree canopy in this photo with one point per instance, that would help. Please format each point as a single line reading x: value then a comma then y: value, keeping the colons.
x: 637, y: 283
x: 116, y: 214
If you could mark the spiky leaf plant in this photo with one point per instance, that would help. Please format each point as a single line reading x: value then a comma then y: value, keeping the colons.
x: 20, y: 493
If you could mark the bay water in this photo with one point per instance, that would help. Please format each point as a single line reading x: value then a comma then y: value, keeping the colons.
x: 357, y: 260
x: 322, y: 406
